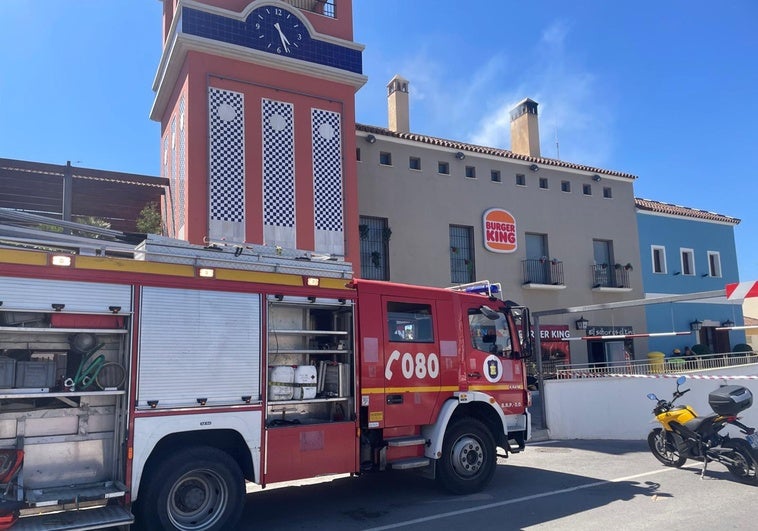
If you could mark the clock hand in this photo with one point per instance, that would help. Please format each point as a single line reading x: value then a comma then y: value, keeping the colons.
x: 285, y: 41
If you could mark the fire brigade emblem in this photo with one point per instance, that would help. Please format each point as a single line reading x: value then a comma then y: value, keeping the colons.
x: 493, y: 369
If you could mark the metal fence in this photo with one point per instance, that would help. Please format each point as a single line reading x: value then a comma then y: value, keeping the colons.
x: 542, y: 271
x: 667, y: 366
x: 610, y: 276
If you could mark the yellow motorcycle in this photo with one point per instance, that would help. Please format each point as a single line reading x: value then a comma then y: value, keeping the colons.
x: 684, y: 435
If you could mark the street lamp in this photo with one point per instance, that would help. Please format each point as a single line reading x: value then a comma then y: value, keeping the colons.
x: 581, y: 323
x: 696, y: 325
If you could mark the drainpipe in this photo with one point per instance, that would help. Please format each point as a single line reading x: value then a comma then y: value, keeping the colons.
x: 67, y: 188
x: 538, y: 354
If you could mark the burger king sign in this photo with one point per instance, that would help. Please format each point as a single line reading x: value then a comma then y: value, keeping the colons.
x: 499, y: 231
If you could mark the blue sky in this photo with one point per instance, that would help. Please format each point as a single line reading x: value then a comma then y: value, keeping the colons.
x: 663, y: 90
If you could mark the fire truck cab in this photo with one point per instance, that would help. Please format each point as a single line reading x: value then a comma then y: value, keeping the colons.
x: 442, y: 382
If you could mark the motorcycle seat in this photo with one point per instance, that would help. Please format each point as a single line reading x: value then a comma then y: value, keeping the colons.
x: 698, y: 422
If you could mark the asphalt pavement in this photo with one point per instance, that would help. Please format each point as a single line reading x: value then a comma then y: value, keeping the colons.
x: 551, y: 485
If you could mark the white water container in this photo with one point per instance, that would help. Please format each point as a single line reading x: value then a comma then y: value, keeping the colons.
x: 281, y: 379
x: 305, y: 382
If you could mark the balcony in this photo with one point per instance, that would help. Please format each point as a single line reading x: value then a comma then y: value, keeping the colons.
x: 610, y: 278
x: 541, y: 273
x: 322, y: 7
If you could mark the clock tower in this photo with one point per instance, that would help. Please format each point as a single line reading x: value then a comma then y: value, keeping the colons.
x: 256, y: 100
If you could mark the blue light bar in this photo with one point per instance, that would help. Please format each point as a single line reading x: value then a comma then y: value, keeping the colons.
x: 488, y: 289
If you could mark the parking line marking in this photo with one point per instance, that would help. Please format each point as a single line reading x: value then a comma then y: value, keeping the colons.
x: 516, y: 500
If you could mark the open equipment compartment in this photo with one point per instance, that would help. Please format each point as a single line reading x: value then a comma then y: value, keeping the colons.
x: 63, y: 393
x: 310, y: 340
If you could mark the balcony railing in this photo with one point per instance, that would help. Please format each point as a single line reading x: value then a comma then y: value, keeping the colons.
x: 542, y: 271
x: 610, y: 276
x: 642, y: 367
x: 322, y: 7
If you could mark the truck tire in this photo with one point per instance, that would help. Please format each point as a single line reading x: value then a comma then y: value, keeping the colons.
x: 194, y: 489
x: 468, y: 457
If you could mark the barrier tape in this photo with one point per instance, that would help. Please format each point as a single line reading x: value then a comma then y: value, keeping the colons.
x: 628, y: 336
x: 580, y: 374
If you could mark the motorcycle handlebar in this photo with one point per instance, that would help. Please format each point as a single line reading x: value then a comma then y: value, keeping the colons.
x: 677, y: 394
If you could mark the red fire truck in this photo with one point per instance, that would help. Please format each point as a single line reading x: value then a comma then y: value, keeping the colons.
x: 158, y: 382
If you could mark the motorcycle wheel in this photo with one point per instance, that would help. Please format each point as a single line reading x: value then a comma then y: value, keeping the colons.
x: 662, y: 446
x: 745, y: 467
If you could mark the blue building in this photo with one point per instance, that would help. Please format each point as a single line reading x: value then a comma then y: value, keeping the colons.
x: 685, y: 250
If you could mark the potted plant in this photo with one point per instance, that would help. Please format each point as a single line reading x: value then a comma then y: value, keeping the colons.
x: 376, y: 258
x: 363, y: 231
x: 628, y: 266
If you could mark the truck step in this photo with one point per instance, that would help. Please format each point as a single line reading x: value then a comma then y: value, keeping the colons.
x: 411, y: 462
x: 516, y: 445
x: 412, y: 440
x: 81, y: 493
x: 96, y: 518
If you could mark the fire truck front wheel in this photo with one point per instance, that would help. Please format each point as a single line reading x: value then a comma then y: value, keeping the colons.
x: 468, y: 457
x: 195, y: 489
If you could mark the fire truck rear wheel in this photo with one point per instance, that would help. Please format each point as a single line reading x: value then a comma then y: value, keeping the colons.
x: 468, y: 457
x: 195, y: 489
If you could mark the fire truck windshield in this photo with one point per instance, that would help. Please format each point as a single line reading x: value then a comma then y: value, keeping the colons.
x: 487, y: 334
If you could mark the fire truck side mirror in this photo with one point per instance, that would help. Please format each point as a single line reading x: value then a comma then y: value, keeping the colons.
x: 527, y: 339
x: 489, y: 313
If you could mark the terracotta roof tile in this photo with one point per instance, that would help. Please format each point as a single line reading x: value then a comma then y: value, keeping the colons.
x: 677, y: 210
x: 484, y: 150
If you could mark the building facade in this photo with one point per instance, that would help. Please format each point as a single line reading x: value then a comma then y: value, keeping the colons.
x: 555, y: 234
x: 685, y: 250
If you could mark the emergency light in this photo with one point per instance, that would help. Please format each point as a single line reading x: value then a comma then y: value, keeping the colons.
x: 492, y: 288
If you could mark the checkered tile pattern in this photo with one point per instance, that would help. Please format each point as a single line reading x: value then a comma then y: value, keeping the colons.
x: 327, y: 170
x: 227, y: 160
x: 182, y: 160
x: 278, y: 163
x: 172, y: 187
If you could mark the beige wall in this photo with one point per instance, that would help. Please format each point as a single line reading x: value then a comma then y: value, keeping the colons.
x: 750, y: 311
x: 420, y: 206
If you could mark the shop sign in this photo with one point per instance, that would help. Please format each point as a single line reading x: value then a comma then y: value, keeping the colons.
x: 609, y: 330
x: 554, y: 343
x: 499, y: 231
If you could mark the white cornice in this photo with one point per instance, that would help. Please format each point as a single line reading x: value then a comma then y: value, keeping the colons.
x: 176, y: 51
x: 178, y: 44
x: 242, y: 16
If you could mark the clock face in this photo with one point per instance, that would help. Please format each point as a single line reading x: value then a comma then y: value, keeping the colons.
x: 279, y: 30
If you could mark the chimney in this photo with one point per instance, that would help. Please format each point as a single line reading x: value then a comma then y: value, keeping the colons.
x: 525, y: 130
x: 398, y: 114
